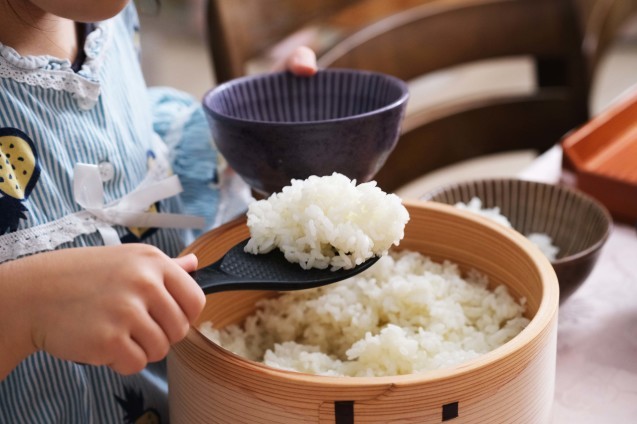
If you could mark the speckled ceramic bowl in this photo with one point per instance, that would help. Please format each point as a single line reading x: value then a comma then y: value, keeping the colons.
x: 272, y: 128
x: 578, y: 224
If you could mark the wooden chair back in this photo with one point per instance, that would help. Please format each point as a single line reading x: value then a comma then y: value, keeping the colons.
x: 445, y: 33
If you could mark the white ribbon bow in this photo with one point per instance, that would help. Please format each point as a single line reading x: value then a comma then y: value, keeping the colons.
x: 131, y: 209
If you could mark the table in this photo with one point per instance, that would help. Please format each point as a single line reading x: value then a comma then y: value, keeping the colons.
x: 596, y: 377
x: 596, y: 374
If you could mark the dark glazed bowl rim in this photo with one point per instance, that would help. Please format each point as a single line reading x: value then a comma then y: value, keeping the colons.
x: 402, y: 99
x: 577, y: 193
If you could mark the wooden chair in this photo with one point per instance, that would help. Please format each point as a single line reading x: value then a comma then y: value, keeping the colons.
x: 444, y: 34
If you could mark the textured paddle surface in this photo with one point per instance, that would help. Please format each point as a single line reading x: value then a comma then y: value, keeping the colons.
x: 239, y: 270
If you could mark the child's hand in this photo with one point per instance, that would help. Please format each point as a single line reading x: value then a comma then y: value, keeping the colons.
x: 121, y: 306
x: 302, y: 62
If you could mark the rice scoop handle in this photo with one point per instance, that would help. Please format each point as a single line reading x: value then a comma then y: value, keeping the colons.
x: 239, y: 270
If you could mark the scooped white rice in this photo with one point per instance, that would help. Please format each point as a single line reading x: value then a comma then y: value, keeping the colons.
x: 543, y: 241
x: 406, y: 314
x: 327, y: 221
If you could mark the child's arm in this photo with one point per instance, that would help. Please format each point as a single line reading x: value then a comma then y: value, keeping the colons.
x: 121, y: 306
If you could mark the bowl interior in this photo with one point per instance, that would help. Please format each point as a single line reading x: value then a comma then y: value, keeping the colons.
x: 285, y: 98
x: 576, y: 222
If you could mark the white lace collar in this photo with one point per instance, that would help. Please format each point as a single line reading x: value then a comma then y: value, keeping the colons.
x: 53, y: 73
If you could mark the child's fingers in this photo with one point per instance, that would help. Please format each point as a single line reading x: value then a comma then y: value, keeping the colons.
x: 169, y: 316
x: 152, y: 338
x: 302, y: 62
x: 184, y: 290
x: 129, y: 357
x: 188, y: 262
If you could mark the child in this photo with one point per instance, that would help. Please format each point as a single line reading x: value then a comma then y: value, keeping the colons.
x: 89, y: 160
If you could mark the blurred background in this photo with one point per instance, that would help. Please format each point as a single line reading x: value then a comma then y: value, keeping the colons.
x: 173, y: 43
x: 175, y: 53
x: 493, y: 83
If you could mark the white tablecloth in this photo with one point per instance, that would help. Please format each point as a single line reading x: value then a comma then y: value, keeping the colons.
x: 596, y: 379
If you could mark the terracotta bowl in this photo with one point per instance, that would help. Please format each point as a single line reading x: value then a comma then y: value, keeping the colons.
x: 272, y: 128
x: 578, y: 224
x: 511, y: 384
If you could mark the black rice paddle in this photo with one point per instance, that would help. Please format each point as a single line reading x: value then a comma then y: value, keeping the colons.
x: 238, y: 270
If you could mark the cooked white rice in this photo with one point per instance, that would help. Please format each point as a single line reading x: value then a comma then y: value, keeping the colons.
x: 543, y: 241
x: 327, y: 221
x: 406, y: 314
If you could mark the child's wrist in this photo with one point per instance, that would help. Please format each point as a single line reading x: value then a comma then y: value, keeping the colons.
x: 15, y: 334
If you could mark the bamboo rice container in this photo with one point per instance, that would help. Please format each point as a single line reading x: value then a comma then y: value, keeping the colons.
x: 511, y: 384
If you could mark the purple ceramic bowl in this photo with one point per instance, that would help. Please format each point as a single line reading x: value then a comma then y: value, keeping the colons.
x: 272, y: 128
